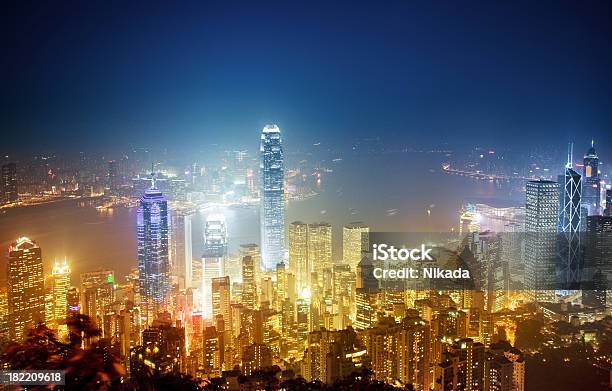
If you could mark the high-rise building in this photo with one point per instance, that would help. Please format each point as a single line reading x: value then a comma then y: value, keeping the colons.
x: 319, y: 247
x: 213, y: 259
x: 112, y: 181
x: 272, y: 214
x: 400, y: 351
x: 597, y: 255
x: 608, y: 211
x: 26, y: 291
x: 73, y: 303
x: 540, y: 245
x: 4, y: 325
x: 463, y: 366
x: 153, y: 257
x: 60, y: 284
x: 98, y: 293
x: 8, y: 184
x: 181, y: 248
x: 255, y: 357
x: 355, y: 240
x: 162, y: 349
x: 326, y: 359
x: 591, y: 182
x: 221, y: 304
x: 249, y: 287
x: 569, y: 224
x: 298, y: 253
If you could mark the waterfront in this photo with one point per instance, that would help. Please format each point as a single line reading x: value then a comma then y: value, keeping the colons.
x: 390, y: 192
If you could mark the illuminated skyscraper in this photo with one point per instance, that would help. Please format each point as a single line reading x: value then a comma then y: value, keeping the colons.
x: 26, y: 296
x: 73, y: 302
x: 221, y: 301
x: 298, y: 253
x: 540, y: 247
x: 112, y: 182
x: 319, y: 247
x: 272, y: 214
x: 215, y: 250
x: 153, y: 257
x: 591, y: 183
x: 181, y: 250
x: 354, y: 240
x: 61, y: 284
x: 249, y: 287
x: 97, y: 288
x: 8, y: 184
x: 569, y: 222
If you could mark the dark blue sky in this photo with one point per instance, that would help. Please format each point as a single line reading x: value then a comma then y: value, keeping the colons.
x: 106, y: 74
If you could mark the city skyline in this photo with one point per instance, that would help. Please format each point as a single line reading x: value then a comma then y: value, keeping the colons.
x: 281, y: 196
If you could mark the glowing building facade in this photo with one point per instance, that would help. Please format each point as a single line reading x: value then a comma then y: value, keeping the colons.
x: 272, y: 214
x: 61, y: 283
x: 540, y: 226
x: 569, y: 222
x: 354, y: 241
x: 215, y: 251
x: 298, y: 253
x: 591, y: 182
x: 26, y: 293
x: 153, y: 254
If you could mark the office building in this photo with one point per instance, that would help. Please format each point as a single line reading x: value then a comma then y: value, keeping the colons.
x: 26, y: 292
x: 272, y: 213
x: 8, y: 184
x: 542, y: 202
x: 355, y: 240
x: 153, y: 254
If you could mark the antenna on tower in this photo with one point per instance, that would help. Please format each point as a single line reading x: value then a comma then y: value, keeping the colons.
x: 570, y: 155
x: 152, y: 177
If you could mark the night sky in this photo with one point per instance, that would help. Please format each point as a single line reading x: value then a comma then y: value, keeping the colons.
x: 100, y: 75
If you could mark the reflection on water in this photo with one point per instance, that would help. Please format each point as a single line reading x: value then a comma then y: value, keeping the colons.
x: 400, y: 192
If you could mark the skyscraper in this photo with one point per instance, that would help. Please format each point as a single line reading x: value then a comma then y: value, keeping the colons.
x: 181, y: 250
x: 569, y: 222
x: 215, y: 250
x: 249, y: 287
x: 319, y: 247
x: 354, y: 241
x: 298, y: 253
x: 540, y: 247
x: 112, y: 183
x: 61, y: 283
x: 153, y: 259
x: 8, y: 184
x: 272, y: 214
x: 591, y: 183
x: 26, y: 292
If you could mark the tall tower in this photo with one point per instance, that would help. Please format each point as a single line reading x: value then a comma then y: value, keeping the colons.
x: 8, y: 184
x: 540, y: 247
x: 215, y: 250
x: 319, y: 247
x: 221, y: 304
x: 591, y: 185
x: 272, y: 214
x: 181, y: 248
x: 354, y: 241
x: 298, y: 253
x: 26, y: 292
x: 153, y: 257
x: 249, y: 286
x: 569, y: 222
x: 61, y: 283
